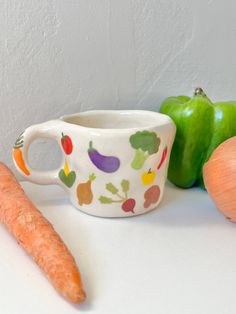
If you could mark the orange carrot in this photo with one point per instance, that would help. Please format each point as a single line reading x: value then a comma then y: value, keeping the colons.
x: 37, y: 236
x: 17, y: 155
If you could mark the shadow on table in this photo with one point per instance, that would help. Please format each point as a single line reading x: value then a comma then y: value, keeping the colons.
x: 179, y: 207
x: 185, y: 208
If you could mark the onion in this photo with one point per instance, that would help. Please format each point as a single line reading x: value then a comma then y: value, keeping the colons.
x: 219, y: 175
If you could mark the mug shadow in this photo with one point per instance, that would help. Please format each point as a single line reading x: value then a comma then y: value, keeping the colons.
x: 179, y: 207
x: 185, y: 208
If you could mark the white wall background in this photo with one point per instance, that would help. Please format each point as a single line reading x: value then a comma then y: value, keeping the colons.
x: 66, y: 56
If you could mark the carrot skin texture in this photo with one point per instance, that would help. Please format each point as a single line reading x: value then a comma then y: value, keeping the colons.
x: 38, y: 237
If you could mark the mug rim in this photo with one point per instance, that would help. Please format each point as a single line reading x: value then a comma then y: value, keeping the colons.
x: 161, y: 119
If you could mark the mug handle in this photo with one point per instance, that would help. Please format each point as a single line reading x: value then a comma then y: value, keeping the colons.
x: 50, y: 130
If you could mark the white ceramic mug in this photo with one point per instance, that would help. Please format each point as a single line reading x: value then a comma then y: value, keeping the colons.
x: 114, y: 162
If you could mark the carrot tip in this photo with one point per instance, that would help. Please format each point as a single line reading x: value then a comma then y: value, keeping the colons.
x: 38, y: 237
x: 79, y: 298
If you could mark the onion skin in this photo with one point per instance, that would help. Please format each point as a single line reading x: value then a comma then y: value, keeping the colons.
x: 219, y: 174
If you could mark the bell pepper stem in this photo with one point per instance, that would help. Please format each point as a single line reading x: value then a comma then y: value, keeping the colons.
x: 199, y: 92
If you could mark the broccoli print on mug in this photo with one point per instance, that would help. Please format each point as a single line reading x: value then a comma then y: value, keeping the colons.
x: 145, y: 144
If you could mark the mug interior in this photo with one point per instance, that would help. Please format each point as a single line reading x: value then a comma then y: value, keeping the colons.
x: 117, y: 119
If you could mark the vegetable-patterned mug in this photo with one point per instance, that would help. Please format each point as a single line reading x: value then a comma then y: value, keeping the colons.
x: 114, y: 163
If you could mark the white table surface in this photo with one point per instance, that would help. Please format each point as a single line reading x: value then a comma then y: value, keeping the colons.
x: 180, y: 258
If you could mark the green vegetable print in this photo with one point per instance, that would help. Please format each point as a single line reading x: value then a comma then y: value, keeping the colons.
x: 111, y: 188
x: 125, y: 187
x: 105, y: 200
x: 128, y: 204
x: 145, y: 144
x: 69, y: 179
x: 115, y: 191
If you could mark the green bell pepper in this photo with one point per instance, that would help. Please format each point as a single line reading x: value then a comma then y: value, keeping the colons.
x: 201, y: 127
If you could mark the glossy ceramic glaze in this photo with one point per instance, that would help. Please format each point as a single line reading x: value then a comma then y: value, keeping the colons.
x: 114, y: 163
